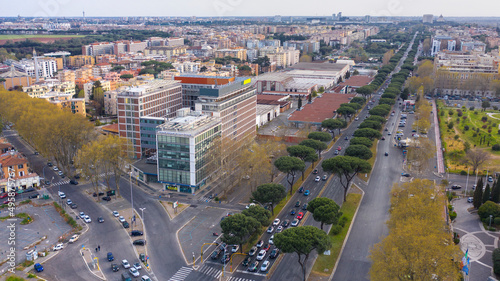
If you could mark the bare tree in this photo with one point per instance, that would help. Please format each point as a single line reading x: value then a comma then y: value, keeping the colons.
x: 476, y: 158
x: 419, y: 152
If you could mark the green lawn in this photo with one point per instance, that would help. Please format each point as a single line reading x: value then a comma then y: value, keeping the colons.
x: 323, y: 265
x: 23, y: 36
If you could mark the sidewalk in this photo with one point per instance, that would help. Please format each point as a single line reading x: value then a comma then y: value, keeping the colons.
x: 92, y: 263
x: 439, y: 150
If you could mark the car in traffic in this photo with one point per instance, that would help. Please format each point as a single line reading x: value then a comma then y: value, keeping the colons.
x: 301, y: 189
x: 114, y: 267
x: 297, y: 204
x: 253, y: 266
x: 276, y: 222
x: 295, y: 222
x: 87, y: 219
x: 60, y: 173
x: 252, y: 251
x: 285, y: 223
x: 137, y: 265
x: 250, y: 205
x: 38, y: 267
x: 386, y: 154
x: 271, y: 240
x: 58, y: 247
x: 470, y: 200
x: 139, y: 242
x: 304, y: 207
x: 145, y: 278
x: 110, y: 256
x: 261, y: 255
x: 260, y: 243
x: 266, y: 247
x: 317, y: 179
x: 69, y: 202
x: 274, y: 253
x: 336, y: 152
x: 73, y: 238
x: 300, y: 215
x: 125, y: 264
x: 265, y: 266
x: 279, y: 229
x: 61, y: 194
x: 136, y: 233
x: 270, y: 229
x: 246, y: 261
x: 339, y: 148
x: 325, y: 177
x: 405, y: 175
x: 226, y: 258
x: 292, y: 212
x: 456, y: 186
x: 306, y: 193
x: 134, y: 272
x: 315, y: 171
x: 73, y: 182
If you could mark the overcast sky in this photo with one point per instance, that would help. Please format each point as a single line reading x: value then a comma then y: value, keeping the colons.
x: 202, y: 8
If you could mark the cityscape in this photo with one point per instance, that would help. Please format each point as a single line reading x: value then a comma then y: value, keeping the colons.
x: 225, y: 142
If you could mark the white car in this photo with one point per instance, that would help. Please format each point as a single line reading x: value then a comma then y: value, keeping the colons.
x: 125, y: 264
x: 276, y: 222
x: 264, y: 266
x: 74, y: 238
x: 55, y: 168
x: 270, y: 229
x: 58, y: 247
x: 271, y: 240
x: 317, y: 179
x: 69, y: 202
x: 61, y: 194
x: 261, y: 255
x: 121, y: 219
x: 145, y: 278
x: 250, y: 205
x: 116, y: 214
x: 87, y: 219
x: 134, y: 272
x: 137, y: 266
x: 60, y: 173
x: 82, y: 215
x: 295, y: 222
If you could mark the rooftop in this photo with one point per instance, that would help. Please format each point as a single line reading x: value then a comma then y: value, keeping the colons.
x: 323, y: 66
x: 189, y: 123
x: 357, y: 81
x: 320, y: 109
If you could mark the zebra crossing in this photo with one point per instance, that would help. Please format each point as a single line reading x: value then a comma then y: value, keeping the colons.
x: 239, y: 279
x: 181, y: 274
x: 206, y: 198
x: 60, y: 182
x: 212, y: 271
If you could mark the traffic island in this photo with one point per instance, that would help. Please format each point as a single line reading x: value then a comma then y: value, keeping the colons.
x: 171, y: 211
x: 92, y: 263
x: 326, y: 263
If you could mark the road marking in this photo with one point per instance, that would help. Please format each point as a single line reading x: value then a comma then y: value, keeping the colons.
x: 248, y: 272
x: 181, y: 274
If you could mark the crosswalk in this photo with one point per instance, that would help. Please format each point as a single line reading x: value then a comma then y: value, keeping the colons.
x: 212, y: 271
x: 239, y: 279
x: 181, y: 274
x: 60, y: 182
x: 205, y: 198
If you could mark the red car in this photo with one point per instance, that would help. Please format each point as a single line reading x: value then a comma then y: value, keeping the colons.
x: 3, y: 195
x: 339, y: 148
x: 300, y: 215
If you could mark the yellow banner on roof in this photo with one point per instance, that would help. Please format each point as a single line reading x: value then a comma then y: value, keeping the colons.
x: 247, y: 81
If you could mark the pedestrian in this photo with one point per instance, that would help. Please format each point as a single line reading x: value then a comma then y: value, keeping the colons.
x: 99, y: 247
x: 96, y: 250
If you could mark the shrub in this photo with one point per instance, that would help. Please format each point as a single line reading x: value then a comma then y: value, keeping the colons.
x: 450, y: 112
x: 496, y: 147
x: 492, y: 229
x: 463, y: 173
x: 487, y: 209
x: 442, y: 113
x: 484, y: 118
x: 453, y: 215
x: 456, y: 241
x: 450, y: 207
x: 496, y: 221
x: 336, y: 229
x: 475, y: 112
x: 495, y: 107
x: 343, y: 220
x: 466, y: 127
x: 471, y: 108
x: 456, y: 137
x: 450, y: 125
x: 484, y: 126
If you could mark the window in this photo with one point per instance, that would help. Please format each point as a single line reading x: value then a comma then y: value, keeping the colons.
x: 20, y: 166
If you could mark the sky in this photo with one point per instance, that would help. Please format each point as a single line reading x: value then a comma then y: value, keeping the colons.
x: 226, y: 8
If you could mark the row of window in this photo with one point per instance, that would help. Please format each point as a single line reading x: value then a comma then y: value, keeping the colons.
x: 181, y: 177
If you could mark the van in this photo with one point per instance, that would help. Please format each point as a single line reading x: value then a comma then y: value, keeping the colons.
x: 61, y: 194
x: 126, y: 277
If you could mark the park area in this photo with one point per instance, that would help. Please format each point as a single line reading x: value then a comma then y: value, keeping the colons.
x: 49, y: 38
x: 463, y: 129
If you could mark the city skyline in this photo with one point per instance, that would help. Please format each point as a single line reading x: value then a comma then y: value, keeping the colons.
x: 227, y: 8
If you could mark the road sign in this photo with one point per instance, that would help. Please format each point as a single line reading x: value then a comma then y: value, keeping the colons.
x: 176, y: 203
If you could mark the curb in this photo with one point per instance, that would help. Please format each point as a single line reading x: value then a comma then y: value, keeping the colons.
x: 348, y: 233
x: 179, y: 243
x: 90, y: 269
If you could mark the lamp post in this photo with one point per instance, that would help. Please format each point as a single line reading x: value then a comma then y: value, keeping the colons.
x: 132, y: 201
x: 491, y: 216
x: 142, y: 216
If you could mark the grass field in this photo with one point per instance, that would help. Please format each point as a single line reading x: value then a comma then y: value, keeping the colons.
x: 24, y: 36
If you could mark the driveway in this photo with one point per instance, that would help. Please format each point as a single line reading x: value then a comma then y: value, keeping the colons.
x: 474, y: 238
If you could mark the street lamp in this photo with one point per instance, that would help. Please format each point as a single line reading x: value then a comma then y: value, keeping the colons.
x: 491, y: 216
x: 142, y: 216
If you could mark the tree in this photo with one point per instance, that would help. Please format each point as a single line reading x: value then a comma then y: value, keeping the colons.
x: 358, y: 150
x: 371, y: 124
x: 478, y: 194
x: 488, y: 209
x: 117, y: 68
x: 115, y: 158
x: 203, y: 69
x: 486, y: 193
x: 299, y: 106
x: 332, y: 124
x: 476, y: 157
x: 126, y: 76
x: 365, y: 91
x: 259, y: 213
x: 237, y: 229
x: 321, y: 136
x: 386, y: 101
x: 361, y: 141
x: 426, y: 68
x: 376, y: 118
x: 269, y: 193
x: 305, y: 153
x: 485, y: 104
x: 324, y: 210
x: 346, y: 111
x: 358, y: 100
x: 302, y: 240
x: 379, y: 111
x: 290, y: 165
x: 346, y: 168
x: 419, y: 245
x: 419, y: 152
x: 495, y: 192
x: 367, y: 133
x: 317, y: 145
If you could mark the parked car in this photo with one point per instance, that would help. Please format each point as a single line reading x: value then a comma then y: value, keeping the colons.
x: 82, y: 215
x: 145, y: 278
x: 110, y: 256
x: 49, y: 164
x: 106, y: 198
x: 121, y: 219
x: 235, y: 248
x: 116, y: 214
x: 69, y: 202
x: 470, y: 200
x: 405, y: 175
x: 456, y: 186
x: 55, y: 168
x: 214, y: 255
x: 125, y: 264
x: 225, y: 259
x: 74, y: 182
x: 139, y: 242
x: 38, y: 267
x: 100, y: 219
x: 34, y: 195
x: 137, y: 265
x: 61, y: 194
x: 87, y: 219
x: 60, y: 173
x: 115, y: 267
x: 386, y: 154
x: 136, y: 233
x: 134, y: 272
x: 58, y: 247
x: 250, y: 205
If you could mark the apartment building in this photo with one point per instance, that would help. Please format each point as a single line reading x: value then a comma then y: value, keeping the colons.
x: 16, y: 172
x: 66, y: 101
x: 166, y: 51
x: 46, y: 67
x: 185, y: 147
x: 191, y: 85
x: 234, y: 53
x: 80, y: 60
x: 100, y: 48
x: 305, y: 46
x: 13, y: 78
x: 38, y: 90
x: 66, y: 76
x: 158, y: 98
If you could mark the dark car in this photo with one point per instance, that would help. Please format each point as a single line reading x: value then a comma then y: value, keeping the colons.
x: 285, y: 223
x: 292, y: 212
x: 77, y: 176
x: 386, y: 154
x: 297, y: 204
x: 100, y: 219
x: 106, y: 198
x: 246, y: 261
x: 215, y: 255
x: 301, y: 189
x: 74, y: 182
x: 139, y: 242
x: 94, y: 194
x: 266, y: 247
x: 274, y: 253
x: 101, y: 193
x: 253, y: 266
x: 29, y: 190
x: 125, y: 224
x: 304, y: 207
x: 33, y: 196
x: 38, y: 267
x: 73, y: 206
x: 456, y: 186
x: 225, y: 259
x: 37, y: 153
x: 47, y: 182
x: 110, y: 257
x: 315, y: 171
x: 405, y: 175
x: 49, y: 164
x: 115, y: 267
x: 136, y: 233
